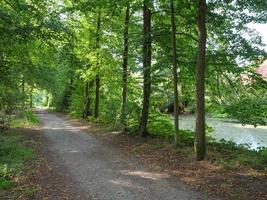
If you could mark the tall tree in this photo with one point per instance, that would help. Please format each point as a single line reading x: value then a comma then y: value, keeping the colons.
x: 125, y: 64
x: 147, y: 40
x: 175, y: 77
x: 200, y: 139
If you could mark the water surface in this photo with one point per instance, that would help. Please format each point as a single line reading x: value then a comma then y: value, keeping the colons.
x: 231, y: 130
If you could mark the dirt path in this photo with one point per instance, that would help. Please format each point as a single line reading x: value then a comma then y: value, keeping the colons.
x: 105, y: 173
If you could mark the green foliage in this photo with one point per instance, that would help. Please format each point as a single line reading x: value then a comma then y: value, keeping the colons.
x: 186, y: 138
x: 4, y: 122
x: 77, y: 102
x: 12, y: 154
x: 132, y: 125
x: 220, y: 115
x: 263, y: 153
x: 13, y: 151
x: 249, y: 110
x: 27, y: 37
x: 160, y: 125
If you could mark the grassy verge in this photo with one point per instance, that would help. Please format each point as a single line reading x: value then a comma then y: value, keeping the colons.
x: 14, y: 152
x: 25, y: 119
x: 233, y: 156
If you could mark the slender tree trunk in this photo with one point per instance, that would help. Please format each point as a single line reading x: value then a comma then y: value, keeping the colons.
x: 23, y: 91
x: 97, y: 78
x: 200, y: 141
x: 47, y: 100
x: 71, y: 79
x: 86, y: 108
x: 125, y: 64
x: 146, y: 68
x: 31, y: 103
x: 88, y: 101
x: 175, y: 76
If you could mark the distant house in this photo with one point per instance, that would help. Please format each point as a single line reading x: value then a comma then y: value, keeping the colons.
x: 262, y: 69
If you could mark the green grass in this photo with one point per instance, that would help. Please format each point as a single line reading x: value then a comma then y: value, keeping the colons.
x: 226, y: 153
x: 12, y: 154
x: 25, y: 119
x: 13, y: 151
x: 231, y: 155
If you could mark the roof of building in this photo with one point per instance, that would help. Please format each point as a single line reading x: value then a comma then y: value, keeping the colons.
x: 262, y: 69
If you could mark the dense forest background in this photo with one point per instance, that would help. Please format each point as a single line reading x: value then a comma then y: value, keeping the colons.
x: 125, y: 63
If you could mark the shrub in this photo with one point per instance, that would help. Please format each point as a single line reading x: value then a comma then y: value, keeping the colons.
x: 160, y: 125
x: 186, y: 138
x: 4, y: 122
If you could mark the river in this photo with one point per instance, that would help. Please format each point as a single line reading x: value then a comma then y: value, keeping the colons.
x: 230, y: 130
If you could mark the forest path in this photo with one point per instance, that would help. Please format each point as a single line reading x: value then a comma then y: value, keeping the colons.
x: 104, y: 172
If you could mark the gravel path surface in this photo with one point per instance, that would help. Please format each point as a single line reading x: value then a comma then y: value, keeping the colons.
x: 104, y: 172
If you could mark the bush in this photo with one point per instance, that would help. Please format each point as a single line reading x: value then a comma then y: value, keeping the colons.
x: 132, y: 125
x: 160, y: 125
x: 4, y: 122
x: 263, y: 154
x: 186, y: 138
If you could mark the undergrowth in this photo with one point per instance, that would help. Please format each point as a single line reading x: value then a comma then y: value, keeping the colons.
x: 25, y: 119
x: 13, y: 150
x: 12, y: 154
x: 233, y: 156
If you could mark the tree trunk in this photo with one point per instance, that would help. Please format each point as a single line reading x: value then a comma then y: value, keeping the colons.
x: 88, y: 100
x: 146, y: 68
x: 97, y: 86
x: 23, y: 91
x: 97, y: 78
x: 175, y: 77
x: 31, y: 103
x: 125, y: 64
x: 200, y: 140
x: 47, y: 100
